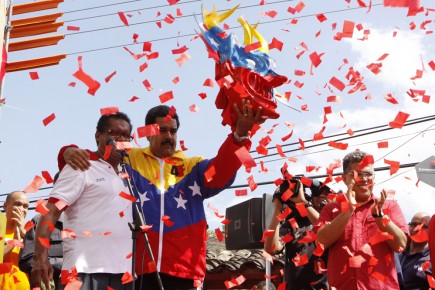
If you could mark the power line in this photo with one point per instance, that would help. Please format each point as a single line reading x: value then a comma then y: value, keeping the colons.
x: 153, y: 7
x: 358, y: 144
x: 383, y: 168
x: 190, y: 34
x: 409, y: 123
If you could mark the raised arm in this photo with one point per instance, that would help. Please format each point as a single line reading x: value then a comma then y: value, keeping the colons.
x: 330, y: 232
x: 312, y: 214
x: 226, y: 162
x: 398, y: 243
x: 272, y: 244
x: 75, y: 157
x: 332, y: 229
x: 42, y: 270
x: 18, y: 216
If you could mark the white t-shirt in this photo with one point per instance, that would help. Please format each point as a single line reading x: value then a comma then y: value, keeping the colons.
x: 99, y: 218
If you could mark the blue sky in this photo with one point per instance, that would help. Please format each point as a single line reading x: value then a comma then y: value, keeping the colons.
x: 27, y: 147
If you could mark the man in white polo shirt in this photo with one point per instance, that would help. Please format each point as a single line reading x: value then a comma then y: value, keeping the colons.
x: 95, y: 215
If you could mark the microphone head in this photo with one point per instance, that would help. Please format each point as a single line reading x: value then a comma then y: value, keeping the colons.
x: 110, y: 141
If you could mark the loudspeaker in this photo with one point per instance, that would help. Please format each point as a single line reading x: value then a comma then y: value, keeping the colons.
x: 248, y: 219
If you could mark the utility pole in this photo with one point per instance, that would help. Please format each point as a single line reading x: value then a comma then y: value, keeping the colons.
x: 25, y: 28
x: 2, y: 49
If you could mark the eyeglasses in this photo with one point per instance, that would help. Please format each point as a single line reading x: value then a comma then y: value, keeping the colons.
x: 119, y: 135
x: 363, y: 174
x: 413, y: 224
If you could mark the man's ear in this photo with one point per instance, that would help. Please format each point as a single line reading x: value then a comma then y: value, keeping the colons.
x: 97, y: 136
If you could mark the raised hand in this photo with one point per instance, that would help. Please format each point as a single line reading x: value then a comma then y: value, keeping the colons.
x: 246, y: 118
x: 77, y: 158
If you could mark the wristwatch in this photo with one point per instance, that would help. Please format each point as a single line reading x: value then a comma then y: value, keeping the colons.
x: 308, y: 204
x: 240, y: 138
x: 378, y: 215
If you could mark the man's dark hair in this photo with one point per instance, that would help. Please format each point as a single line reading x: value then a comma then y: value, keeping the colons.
x: 352, y: 157
x: 103, y: 122
x: 159, y: 111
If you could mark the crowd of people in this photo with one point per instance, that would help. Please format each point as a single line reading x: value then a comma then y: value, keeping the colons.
x: 119, y: 219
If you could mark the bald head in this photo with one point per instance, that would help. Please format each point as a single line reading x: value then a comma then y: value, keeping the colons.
x: 421, y: 217
x: 16, y: 201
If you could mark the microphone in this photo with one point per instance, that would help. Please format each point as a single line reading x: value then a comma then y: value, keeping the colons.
x: 112, y: 142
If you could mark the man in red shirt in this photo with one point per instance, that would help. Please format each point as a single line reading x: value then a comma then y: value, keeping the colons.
x: 432, y: 241
x: 363, y: 232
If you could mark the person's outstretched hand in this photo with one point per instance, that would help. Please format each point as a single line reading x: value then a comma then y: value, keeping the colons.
x: 246, y: 118
x: 77, y: 158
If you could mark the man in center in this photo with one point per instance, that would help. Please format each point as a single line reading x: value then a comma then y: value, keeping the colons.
x: 171, y: 189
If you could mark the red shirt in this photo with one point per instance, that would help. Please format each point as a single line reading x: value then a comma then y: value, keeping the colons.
x: 342, y: 272
x: 432, y: 242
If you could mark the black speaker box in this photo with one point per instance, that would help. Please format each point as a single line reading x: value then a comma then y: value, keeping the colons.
x: 248, y: 219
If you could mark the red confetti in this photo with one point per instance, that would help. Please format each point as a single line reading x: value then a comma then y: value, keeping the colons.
x: 92, y: 84
x: 315, y: 59
x: 134, y: 98
x: 29, y: 225
x: 338, y: 145
x: 383, y: 144
x: 321, y: 17
x: 127, y: 278
x: 300, y: 260
x: 147, y: 85
x: 180, y: 50
x: 148, y: 130
x: 147, y: 46
x: 337, y: 83
x: 208, y: 83
x: 301, y: 144
x: 241, y: 192
x: 127, y: 196
x: 34, y: 185
x: 391, y: 99
x: 47, y: 177
x: 48, y: 119
x: 34, y: 75
x: 399, y: 121
x: 173, y: 2
x: 123, y: 18
x: 394, y: 166
x: 166, y: 97
x: 109, y: 111
x: 366, y: 161
x: 251, y: 182
x: 219, y: 235
x: 72, y: 28
x: 109, y: 77
x: 276, y: 44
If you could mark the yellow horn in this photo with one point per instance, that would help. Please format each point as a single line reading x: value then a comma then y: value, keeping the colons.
x: 212, y: 19
x: 251, y: 33
x: 246, y: 31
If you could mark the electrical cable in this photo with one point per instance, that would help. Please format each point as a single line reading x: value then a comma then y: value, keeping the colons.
x: 190, y: 34
x: 331, y: 149
x: 409, y: 123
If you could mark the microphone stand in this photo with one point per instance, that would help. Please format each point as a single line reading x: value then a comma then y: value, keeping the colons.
x: 136, y: 225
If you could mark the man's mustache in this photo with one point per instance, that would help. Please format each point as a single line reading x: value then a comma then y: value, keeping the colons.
x: 168, y: 142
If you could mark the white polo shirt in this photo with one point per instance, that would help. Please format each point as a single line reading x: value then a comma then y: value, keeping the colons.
x: 99, y: 218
